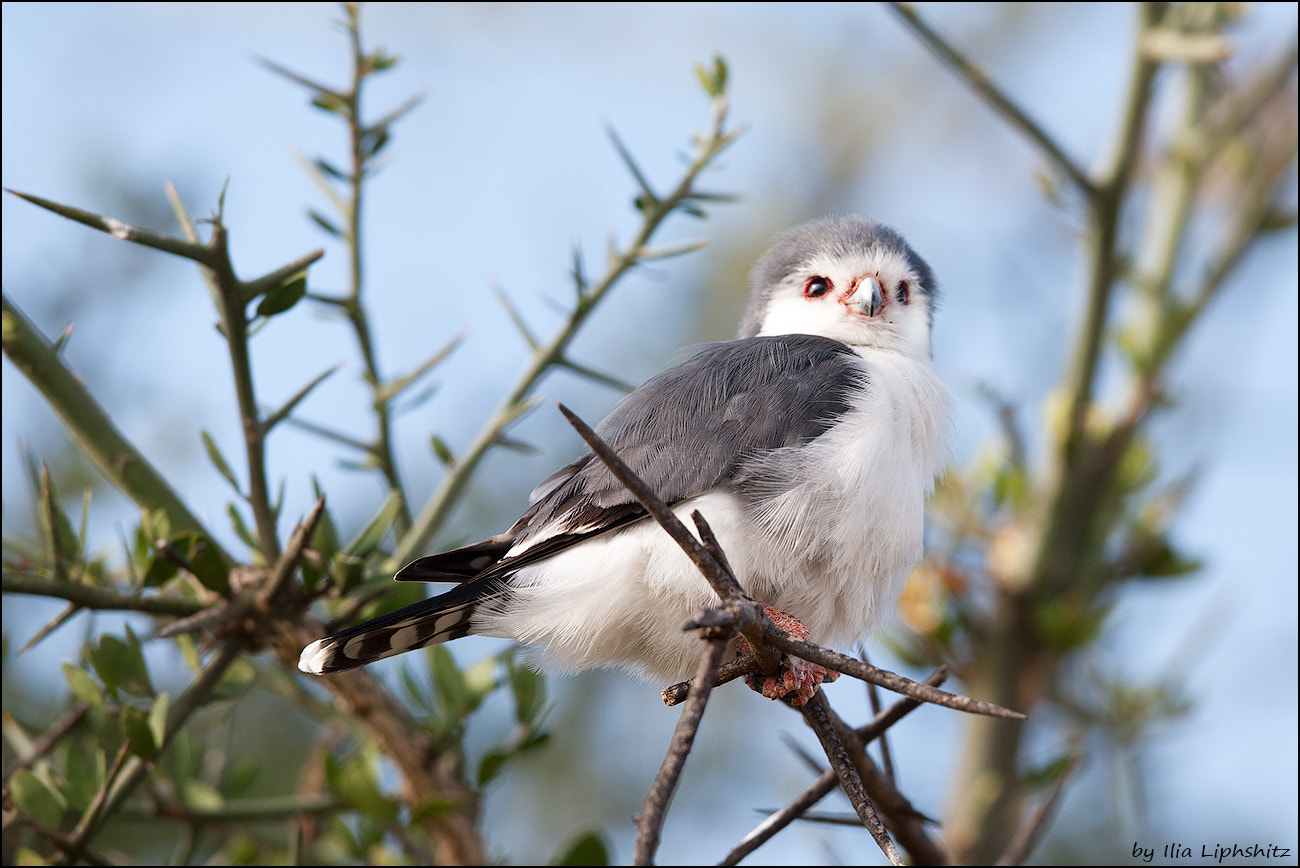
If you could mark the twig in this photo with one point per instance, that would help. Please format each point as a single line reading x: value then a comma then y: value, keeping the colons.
x: 984, y: 87
x: 905, y: 821
x: 649, y: 821
x: 886, y: 679
x: 886, y: 758
x: 1027, y: 838
x: 820, y: 788
x: 87, y: 597
x: 729, y: 671
x: 816, y: 713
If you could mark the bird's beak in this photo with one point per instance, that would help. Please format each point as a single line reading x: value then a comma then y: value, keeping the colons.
x: 866, y: 297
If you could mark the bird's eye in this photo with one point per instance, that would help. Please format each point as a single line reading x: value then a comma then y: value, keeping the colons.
x: 904, y: 292
x: 816, y: 287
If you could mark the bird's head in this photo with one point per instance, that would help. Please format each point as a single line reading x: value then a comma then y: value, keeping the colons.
x: 850, y: 279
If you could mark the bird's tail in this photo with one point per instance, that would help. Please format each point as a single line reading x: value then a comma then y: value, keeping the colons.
x: 437, y: 619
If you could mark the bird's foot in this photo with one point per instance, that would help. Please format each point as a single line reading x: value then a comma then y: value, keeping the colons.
x: 797, y: 680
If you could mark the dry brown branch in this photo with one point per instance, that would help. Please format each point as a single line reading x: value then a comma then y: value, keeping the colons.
x: 650, y: 820
x: 822, y: 787
x: 817, y: 713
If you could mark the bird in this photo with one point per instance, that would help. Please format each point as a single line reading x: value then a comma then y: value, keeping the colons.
x: 809, y: 444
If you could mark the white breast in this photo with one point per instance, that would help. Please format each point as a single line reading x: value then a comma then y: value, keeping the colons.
x: 829, y: 541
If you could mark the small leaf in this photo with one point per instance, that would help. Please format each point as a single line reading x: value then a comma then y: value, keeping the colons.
x: 714, y: 81
x: 241, y: 529
x: 219, y: 461
x: 379, y: 61
x: 138, y: 735
x: 325, y: 167
x: 235, y: 681
x: 158, y: 717
x: 330, y: 103
x: 490, y: 765
x: 120, y: 664
x: 65, y: 542
x: 37, y: 798
x: 448, y: 684
x: 284, y: 296
x: 442, y: 450
x: 83, y: 686
x: 373, y: 141
x: 87, y: 767
x: 589, y: 848
x: 200, y: 557
x: 324, y: 223
x: 528, y: 689
x: 366, y: 541
x: 189, y: 651
x: 201, y: 796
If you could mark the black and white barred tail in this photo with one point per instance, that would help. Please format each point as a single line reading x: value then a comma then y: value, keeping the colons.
x: 428, y: 622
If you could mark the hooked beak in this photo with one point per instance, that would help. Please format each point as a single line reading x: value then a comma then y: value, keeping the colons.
x: 866, y: 296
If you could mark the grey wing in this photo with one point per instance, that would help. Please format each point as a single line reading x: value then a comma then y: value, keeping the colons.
x: 691, y: 428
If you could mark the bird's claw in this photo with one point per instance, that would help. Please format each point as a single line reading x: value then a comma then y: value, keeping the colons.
x: 797, y: 680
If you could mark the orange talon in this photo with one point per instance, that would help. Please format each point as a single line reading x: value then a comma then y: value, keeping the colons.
x: 797, y: 680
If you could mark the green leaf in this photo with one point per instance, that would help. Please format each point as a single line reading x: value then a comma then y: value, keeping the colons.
x: 65, y: 542
x: 490, y: 765
x: 284, y: 296
x: 199, y: 556
x: 219, y: 461
x: 370, y: 536
x: 589, y: 848
x: 379, y: 61
x: 83, y: 686
x: 355, y: 782
x: 414, y: 693
x: 329, y: 170
x: 330, y: 103
x: 200, y: 795
x: 241, y: 777
x: 158, y: 717
x: 120, y: 664
x: 139, y: 736
x: 235, y: 681
x: 324, y: 223
x: 373, y: 141
x: 241, y: 529
x: 480, y: 680
x: 442, y: 450
x: 189, y: 651
x: 87, y: 767
x: 37, y: 798
x: 714, y: 81
x: 448, y: 684
x: 528, y: 688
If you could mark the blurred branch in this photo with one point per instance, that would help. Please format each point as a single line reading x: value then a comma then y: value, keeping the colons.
x: 649, y: 821
x: 828, y: 781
